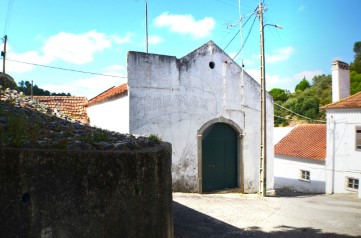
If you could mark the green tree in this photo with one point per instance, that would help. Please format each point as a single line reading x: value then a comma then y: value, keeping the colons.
x: 25, y: 87
x: 301, y: 86
x: 279, y: 94
x: 356, y: 65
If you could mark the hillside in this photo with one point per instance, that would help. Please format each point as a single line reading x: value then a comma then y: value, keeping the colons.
x: 303, y: 105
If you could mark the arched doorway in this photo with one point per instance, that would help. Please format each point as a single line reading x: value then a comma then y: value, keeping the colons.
x: 220, y: 163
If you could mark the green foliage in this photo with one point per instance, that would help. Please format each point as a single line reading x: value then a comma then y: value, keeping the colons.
x: 25, y: 87
x: 154, y: 138
x: 307, y: 99
x: 280, y: 95
x: 355, y: 82
x: 301, y: 86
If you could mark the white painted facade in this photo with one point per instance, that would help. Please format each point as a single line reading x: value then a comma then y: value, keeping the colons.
x: 178, y: 98
x: 288, y: 174
x: 280, y: 132
x: 112, y: 114
x: 343, y: 159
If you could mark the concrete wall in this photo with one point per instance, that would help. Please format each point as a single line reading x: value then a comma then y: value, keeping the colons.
x: 174, y: 98
x: 86, y: 193
x: 112, y: 114
x: 287, y: 174
x: 343, y: 159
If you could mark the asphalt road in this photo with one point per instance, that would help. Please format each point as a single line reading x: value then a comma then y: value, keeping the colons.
x: 237, y: 215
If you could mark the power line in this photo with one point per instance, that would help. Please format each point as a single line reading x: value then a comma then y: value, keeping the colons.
x: 249, y: 17
x: 244, y: 43
x: 66, y: 69
x: 299, y: 114
x: 8, y: 15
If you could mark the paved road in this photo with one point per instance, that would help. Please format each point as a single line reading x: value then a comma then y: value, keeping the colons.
x: 236, y: 215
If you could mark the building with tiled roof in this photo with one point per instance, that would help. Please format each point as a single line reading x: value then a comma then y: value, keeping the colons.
x: 109, y: 94
x: 306, y: 141
x: 353, y: 101
x: 344, y: 145
x: 72, y: 106
x: 109, y: 110
x: 201, y: 103
x: 300, y: 159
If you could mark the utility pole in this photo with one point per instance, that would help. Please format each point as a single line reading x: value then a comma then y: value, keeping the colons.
x: 146, y: 26
x: 31, y: 91
x: 263, y: 154
x: 3, y: 53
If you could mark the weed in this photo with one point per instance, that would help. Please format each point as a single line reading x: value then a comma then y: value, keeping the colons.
x: 154, y: 138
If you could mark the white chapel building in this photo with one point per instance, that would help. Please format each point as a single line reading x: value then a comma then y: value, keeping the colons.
x: 205, y: 105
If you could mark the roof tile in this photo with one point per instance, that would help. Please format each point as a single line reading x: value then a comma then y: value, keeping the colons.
x: 71, y: 106
x: 304, y: 141
x: 114, y: 91
x: 353, y: 101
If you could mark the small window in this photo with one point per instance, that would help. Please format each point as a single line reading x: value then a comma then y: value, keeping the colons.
x: 352, y: 183
x: 305, y: 175
x: 358, y: 138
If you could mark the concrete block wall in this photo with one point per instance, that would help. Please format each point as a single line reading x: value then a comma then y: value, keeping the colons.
x: 86, y: 193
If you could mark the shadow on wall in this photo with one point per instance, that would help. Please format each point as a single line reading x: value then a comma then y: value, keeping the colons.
x: 189, y: 223
x: 297, y: 185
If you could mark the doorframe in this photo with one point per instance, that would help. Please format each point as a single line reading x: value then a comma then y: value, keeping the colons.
x: 239, y: 150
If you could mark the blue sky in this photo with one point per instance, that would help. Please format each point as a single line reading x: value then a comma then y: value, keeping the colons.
x: 95, y: 36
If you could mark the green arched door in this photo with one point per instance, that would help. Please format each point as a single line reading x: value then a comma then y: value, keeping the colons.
x: 219, y: 158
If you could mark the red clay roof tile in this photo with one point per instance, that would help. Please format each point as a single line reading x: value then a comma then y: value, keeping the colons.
x: 71, y: 106
x: 353, y: 101
x: 114, y: 91
x: 304, y: 141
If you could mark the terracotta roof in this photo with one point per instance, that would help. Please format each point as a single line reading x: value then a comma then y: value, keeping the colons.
x: 71, y: 106
x: 112, y: 92
x: 353, y: 101
x: 306, y: 141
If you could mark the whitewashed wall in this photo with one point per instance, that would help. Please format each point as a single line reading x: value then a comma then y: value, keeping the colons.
x: 111, y: 114
x: 280, y: 132
x: 287, y: 174
x: 175, y: 98
x: 342, y: 160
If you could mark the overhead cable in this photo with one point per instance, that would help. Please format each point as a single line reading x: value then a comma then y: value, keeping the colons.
x: 66, y: 69
x: 244, y: 43
x: 299, y: 114
x: 249, y: 17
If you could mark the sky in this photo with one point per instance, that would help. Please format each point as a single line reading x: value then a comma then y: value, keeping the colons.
x: 95, y: 36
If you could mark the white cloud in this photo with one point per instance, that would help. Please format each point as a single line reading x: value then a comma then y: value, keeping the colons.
x: 88, y: 87
x: 186, y: 24
x: 155, y: 40
x: 29, y: 56
x: 116, y: 69
x: 91, y: 86
x: 307, y: 74
x: 284, y: 82
x: 280, y: 55
x: 68, y: 47
x: 76, y: 49
x: 122, y: 40
x: 272, y: 80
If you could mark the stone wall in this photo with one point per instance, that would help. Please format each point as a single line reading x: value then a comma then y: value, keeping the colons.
x: 86, y: 193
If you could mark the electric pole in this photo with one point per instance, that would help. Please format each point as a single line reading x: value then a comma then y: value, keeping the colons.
x: 3, y: 53
x: 263, y: 154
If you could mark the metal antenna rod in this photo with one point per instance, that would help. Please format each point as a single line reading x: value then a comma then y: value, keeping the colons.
x: 146, y: 26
